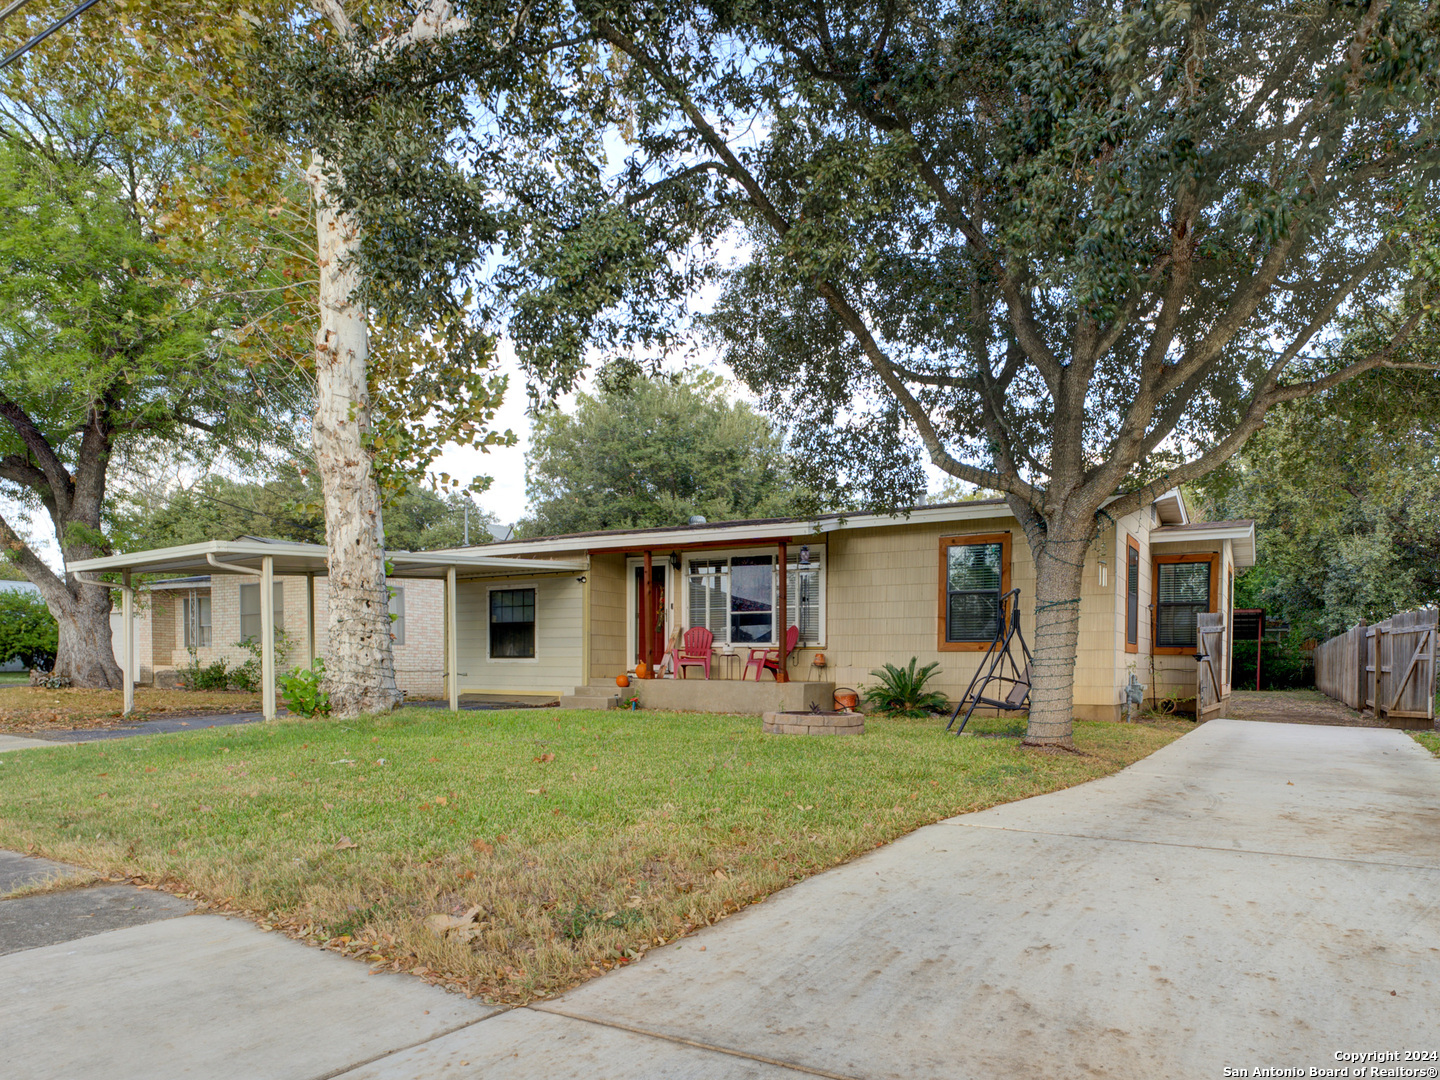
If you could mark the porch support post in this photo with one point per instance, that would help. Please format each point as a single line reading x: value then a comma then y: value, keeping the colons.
x: 647, y: 617
x: 452, y: 644
x: 783, y: 620
x: 127, y: 637
x: 267, y: 637
x: 1259, y: 639
x: 310, y: 619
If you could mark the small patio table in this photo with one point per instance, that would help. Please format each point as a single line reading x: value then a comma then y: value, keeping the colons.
x: 727, y: 653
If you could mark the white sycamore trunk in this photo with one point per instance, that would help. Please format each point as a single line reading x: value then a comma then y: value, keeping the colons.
x: 360, y: 670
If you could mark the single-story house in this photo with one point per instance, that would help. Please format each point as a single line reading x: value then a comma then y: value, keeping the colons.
x: 558, y: 618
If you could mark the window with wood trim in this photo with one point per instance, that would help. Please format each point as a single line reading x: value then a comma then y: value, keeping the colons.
x: 1132, y: 594
x: 1185, y: 586
x: 974, y: 577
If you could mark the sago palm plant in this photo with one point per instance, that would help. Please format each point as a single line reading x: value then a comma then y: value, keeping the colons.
x: 901, y: 691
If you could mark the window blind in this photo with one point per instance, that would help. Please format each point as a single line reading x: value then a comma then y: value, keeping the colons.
x: 1182, y: 591
x: 973, y: 578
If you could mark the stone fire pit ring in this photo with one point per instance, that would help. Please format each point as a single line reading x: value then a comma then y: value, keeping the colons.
x: 811, y: 723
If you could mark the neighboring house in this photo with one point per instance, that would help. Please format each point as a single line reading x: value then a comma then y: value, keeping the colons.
x: 201, y: 619
x: 553, y: 617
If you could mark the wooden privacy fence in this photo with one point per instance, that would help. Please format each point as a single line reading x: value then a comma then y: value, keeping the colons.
x: 1340, y: 667
x: 1388, y: 667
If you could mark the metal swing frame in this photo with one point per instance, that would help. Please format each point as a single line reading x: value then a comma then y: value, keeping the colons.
x: 993, y: 668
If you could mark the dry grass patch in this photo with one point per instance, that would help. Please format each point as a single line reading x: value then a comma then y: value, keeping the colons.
x: 559, y: 844
x: 33, y: 710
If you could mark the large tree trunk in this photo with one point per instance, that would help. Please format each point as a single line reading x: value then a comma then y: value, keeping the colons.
x: 360, y: 675
x: 1058, y: 544
x: 86, y: 654
x: 1057, y: 631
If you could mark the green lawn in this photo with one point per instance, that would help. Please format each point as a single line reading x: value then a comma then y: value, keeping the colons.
x: 14, y: 678
x: 574, y: 840
x: 1429, y: 740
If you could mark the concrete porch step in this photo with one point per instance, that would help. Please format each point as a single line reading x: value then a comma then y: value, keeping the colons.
x: 590, y: 697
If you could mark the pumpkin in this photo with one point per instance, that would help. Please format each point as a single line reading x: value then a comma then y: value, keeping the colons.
x: 622, y: 680
x: 642, y: 671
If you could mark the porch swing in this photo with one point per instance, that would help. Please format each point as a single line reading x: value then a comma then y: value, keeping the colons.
x: 999, y: 665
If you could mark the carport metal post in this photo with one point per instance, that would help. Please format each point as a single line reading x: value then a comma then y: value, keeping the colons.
x: 452, y: 645
x: 127, y: 635
x: 267, y: 636
x: 310, y: 619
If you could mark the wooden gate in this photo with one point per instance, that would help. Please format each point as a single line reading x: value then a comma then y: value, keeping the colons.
x: 1211, y: 691
x: 1400, y: 668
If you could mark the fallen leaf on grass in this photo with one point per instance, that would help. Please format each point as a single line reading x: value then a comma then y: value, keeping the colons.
x: 721, y: 875
x: 545, y: 759
x: 461, y: 928
x: 344, y: 843
x: 482, y: 847
x: 535, y: 791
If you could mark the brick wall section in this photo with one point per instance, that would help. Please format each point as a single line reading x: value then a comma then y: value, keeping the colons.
x: 160, y: 630
x: 420, y: 661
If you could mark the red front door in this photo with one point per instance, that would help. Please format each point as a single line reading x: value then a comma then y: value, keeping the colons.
x: 656, y: 621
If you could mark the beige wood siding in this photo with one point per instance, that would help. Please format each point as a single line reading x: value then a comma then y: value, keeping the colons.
x: 882, y: 606
x: 1176, y: 673
x: 556, y: 666
x: 608, y: 625
x: 1136, y: 525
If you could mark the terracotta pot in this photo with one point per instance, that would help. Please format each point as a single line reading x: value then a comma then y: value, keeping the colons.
x: 846, y: 699
x: 622, y: 680
x: 819, y: 660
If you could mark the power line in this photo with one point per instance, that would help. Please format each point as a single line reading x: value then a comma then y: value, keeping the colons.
x: 83, y: 6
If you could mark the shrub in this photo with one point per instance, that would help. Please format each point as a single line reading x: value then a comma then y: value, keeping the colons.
x: 27, y: 630
x: 246, y: 676
x: 901, y: 691
x: 303, y: 690
x: 210, y: 677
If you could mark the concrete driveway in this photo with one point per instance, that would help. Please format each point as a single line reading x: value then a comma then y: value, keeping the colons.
x: 1252, y: 896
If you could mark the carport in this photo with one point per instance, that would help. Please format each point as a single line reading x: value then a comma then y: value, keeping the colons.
x: 264, y: 559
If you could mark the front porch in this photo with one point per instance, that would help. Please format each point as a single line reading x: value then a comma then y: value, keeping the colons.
x: 738, y: 696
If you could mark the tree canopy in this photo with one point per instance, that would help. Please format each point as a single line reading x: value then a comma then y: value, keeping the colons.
x: 285, y: 507
x: 655, y: 451
x: 28, y: 632
x: 1346, y: 500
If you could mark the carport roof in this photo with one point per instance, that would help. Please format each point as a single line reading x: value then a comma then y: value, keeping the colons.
x: 296, y: 558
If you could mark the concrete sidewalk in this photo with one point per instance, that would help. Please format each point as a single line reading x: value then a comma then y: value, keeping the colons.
x: 1253, y: 895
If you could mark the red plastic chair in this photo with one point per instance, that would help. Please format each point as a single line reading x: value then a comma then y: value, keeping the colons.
x: 763, y: 660
x: 693, y: 651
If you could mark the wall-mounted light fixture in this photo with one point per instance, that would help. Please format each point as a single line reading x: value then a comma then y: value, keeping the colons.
x: 581, y: 579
